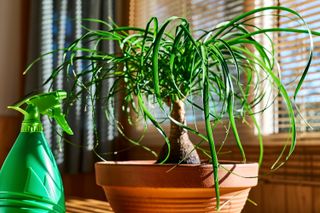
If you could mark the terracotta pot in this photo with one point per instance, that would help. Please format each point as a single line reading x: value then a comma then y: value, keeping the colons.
x: 145, y: 187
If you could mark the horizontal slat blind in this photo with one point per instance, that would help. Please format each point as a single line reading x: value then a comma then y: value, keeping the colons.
x: 206, y: 14
x: 142, y: 10
x: 201, y: 14
x: 293, y: 50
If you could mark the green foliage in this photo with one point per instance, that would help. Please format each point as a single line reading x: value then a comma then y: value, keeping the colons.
x: 226, y: 66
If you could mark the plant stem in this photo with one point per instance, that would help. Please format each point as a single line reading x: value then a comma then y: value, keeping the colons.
x: 182, y: 149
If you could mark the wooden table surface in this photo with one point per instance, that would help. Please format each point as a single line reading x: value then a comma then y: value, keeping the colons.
x: 82, y: 205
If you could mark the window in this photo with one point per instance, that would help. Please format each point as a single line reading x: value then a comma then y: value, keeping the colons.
x: 200, y: 16
x: 204, y: 14
x: 60, y: 23
x: 294, y: 49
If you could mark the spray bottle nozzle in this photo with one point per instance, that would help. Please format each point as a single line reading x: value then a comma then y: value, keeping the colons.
x: 46, y: 104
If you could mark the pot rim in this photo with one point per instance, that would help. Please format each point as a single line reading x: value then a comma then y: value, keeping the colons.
x: 153, y: 163
x: 145, y: 173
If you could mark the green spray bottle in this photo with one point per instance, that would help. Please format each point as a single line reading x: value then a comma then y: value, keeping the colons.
x: 29, y: 179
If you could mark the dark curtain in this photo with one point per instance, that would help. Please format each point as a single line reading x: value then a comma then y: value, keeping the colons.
x: 53, y: 25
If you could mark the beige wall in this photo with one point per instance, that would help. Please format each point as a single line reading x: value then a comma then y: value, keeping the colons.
x: 11, y: 52
x: 13, y: 43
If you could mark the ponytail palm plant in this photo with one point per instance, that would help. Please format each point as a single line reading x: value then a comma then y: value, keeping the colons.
x: 225, y: 67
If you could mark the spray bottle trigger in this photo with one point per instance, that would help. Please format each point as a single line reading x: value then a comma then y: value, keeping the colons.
x: 57, y: 114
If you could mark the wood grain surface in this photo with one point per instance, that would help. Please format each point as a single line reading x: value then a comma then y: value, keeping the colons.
x: 81, y: 205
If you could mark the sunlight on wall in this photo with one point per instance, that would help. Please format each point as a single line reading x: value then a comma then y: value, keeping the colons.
x: 10, y: 53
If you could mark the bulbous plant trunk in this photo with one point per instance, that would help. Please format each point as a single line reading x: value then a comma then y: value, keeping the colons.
x: 182, y: 149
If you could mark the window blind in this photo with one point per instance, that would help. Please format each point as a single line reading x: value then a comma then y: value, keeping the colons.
x: 201, y: 14
x: 142, y: 10
x: 59, y: 24
x: 47, y: 62
x: 294, y: 50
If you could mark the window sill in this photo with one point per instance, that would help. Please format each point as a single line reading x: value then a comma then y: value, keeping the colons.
x: 74, y: 205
